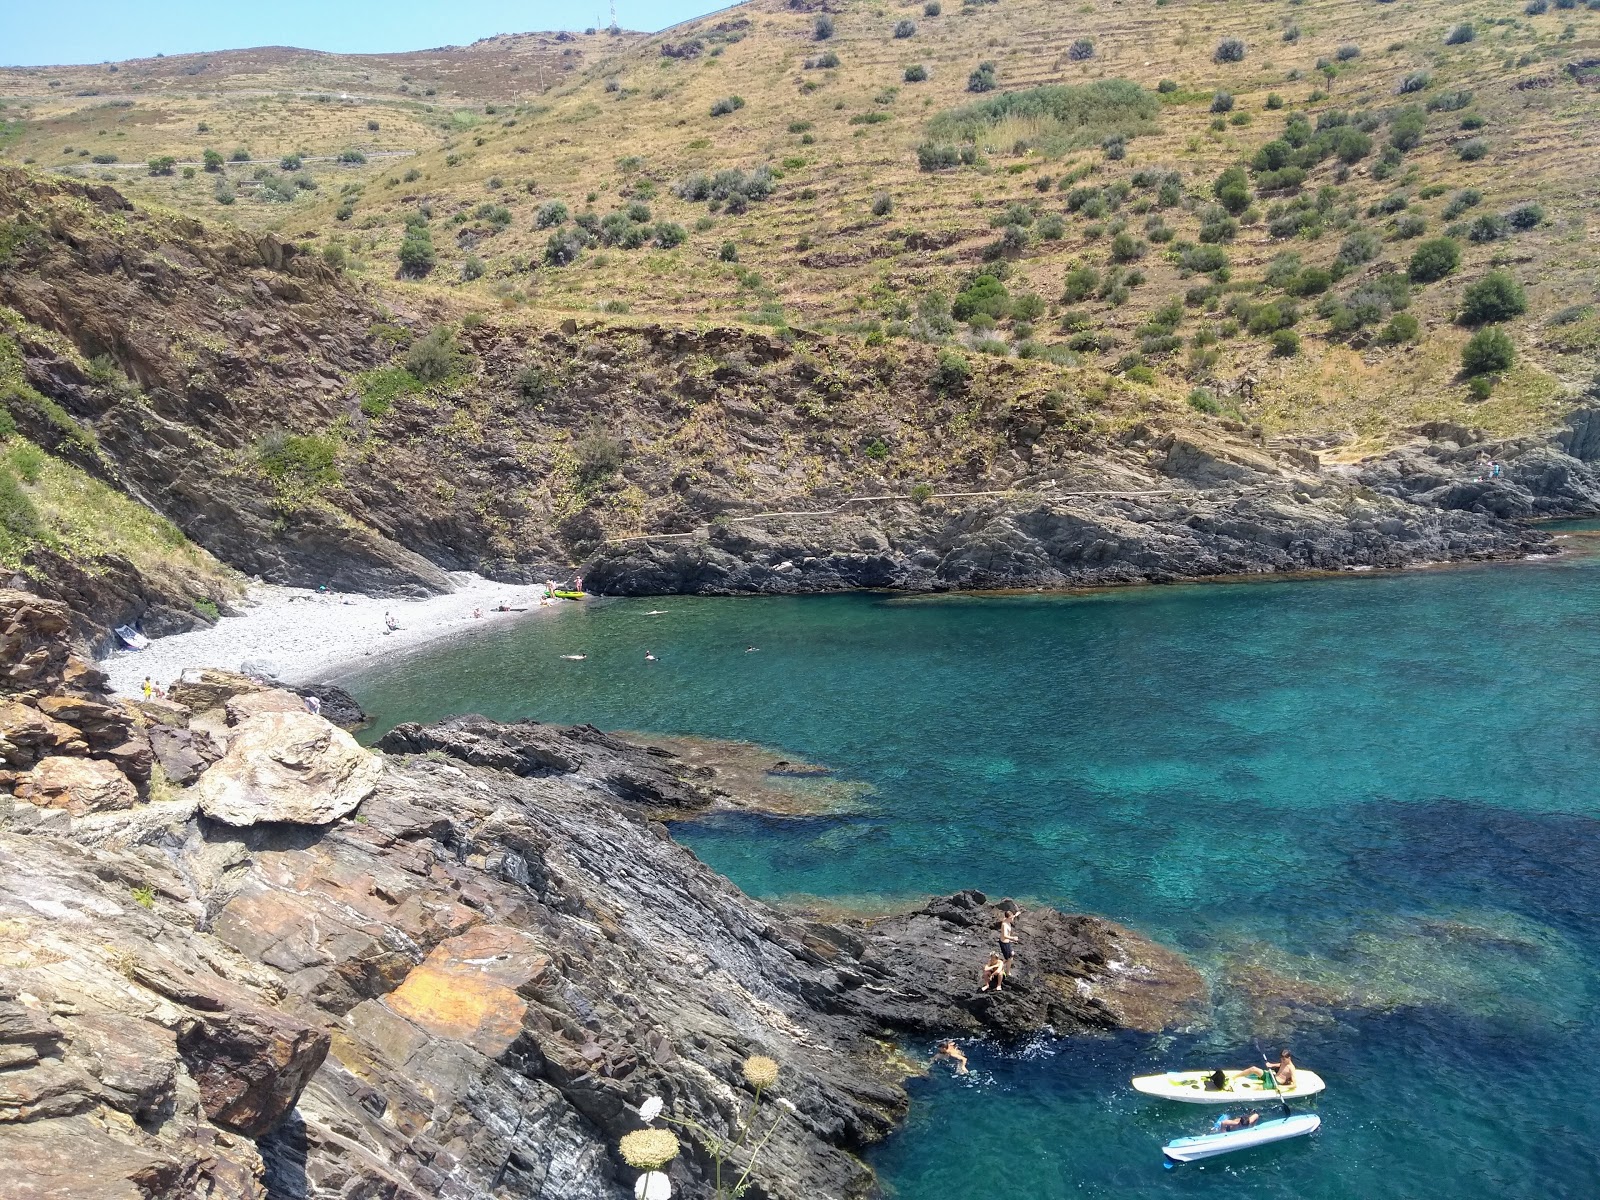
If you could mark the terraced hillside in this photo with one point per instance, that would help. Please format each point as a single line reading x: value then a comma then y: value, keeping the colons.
x: 871, y: 199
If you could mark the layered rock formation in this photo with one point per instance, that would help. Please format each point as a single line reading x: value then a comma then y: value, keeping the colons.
x: 466, y: 985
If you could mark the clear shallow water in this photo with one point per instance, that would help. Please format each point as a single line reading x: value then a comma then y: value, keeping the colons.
x: 1387, y: 786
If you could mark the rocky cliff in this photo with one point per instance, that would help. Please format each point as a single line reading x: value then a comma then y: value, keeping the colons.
x: 453, y: 969
x: 296, y: 426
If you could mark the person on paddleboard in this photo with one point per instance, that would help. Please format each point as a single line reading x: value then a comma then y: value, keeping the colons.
x: 1227, y: 1124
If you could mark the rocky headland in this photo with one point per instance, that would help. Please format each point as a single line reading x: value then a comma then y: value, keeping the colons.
x: 245, y: 957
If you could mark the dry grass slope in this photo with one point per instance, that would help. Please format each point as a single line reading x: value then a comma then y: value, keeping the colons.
x: 856, y: 239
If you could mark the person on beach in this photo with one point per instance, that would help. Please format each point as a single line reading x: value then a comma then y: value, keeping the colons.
x: 994, y: 974
x: 1282, y: 1070
x: 948, y: 1049
x: 477, y: 614
x: 389, y: 623
x: 148, y: 687
x: 313, y: 705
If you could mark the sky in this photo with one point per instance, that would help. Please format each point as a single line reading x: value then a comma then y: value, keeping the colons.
x: 92, y: 31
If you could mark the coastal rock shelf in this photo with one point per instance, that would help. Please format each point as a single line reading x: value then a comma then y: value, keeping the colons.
x: 467, y: 984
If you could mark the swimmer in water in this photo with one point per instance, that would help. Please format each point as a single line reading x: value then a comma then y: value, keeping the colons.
x: 648, y: 657
x: 950, y: 1050
x: 657, y: 612
x: 751, y: 649
x: 574, y: 657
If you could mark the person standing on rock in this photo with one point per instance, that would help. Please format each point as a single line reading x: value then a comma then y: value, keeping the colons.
x: 1008, y: 934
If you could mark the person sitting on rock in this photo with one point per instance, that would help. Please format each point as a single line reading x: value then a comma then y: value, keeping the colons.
x: 948, y: 1049
x: 1226, y: 1124
x: 994, y: 973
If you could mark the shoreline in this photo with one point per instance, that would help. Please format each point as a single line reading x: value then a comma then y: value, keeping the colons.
x: 306, y: 636
x: 291, y: 629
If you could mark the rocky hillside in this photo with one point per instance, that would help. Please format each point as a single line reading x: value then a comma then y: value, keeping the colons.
x: 277, y: 417
x: 1186, y: 197
x: 246, y: 958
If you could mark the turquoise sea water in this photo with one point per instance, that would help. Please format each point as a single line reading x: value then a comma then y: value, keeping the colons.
x: 1385, y: 786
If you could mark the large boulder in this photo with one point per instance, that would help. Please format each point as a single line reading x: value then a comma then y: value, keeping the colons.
x: 288, y: 766
x: 245, y: 705
x: 28, y: 735
x: 251, y: 1064
x: 79, y: 785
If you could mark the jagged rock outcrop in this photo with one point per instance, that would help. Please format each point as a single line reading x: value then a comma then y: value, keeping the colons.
x: 1243, y: 530
x: 466, y: 987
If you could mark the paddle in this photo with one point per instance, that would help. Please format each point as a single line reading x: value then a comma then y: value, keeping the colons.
x: 1269, y: 1077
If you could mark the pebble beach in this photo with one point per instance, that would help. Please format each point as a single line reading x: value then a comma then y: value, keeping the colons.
x: 305, y: 636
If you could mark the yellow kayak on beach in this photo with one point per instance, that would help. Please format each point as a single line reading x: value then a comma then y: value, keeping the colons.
x: 1189, y: 1087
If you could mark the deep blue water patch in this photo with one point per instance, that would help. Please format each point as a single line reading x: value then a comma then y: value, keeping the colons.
x: 1383, y: 787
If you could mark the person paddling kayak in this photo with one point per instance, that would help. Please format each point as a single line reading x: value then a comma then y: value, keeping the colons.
x: 1282, y: 1070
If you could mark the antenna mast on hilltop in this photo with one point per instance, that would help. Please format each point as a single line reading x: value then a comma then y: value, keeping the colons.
x: 614, y: 26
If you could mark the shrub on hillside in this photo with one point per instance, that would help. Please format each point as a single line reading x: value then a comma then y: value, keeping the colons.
x: 1285, y: 343
x: 1525, y: 216
x: 1222, y: 102
x: 212, y: 160
x: 1347, y: 51
x: 564, y: 246
x: 291, y: 162
x: 162, y: 164
x: 1406, y: 128
x: 223, y: 193
x: 352, y: 157
x: 1081, y: 50
x: 1115, y: 147
x: 1358, y: 247
x: 824, y: 61
x: 822, y: 28
x: 1228, y: 50
x: 726, y: 105
x: 984, y: 78
x: 1472, y: 150
x: 951, y: 371
x: 1461, y: 34
x: 932, y: 8
x: 1536, y: 8
x: 1402, y: 327
x: 1060, y: 117
x: 1433, y: 260
x: 668, y: 234
x: 1488, y: 352
x: 416, y: 251
x: 550, y: 214
x: 905, y: 29
x: 916, y: 73
x: 434, y: 356
x: 1409, y: 226
x: 932, y: 156
x: 1414, y: 82
x: 1459, y: 203
x: 1488, y: 227
x: 1495, y: 297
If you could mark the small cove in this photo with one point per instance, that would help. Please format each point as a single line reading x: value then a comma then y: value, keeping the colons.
x: 1364, y: 806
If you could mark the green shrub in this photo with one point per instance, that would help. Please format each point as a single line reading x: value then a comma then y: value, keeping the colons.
x: 1459, y: 203
x: 434, y: 356
x: 532, y: 384
x: 1222, y: 102
x: 162, y: 164
x: 984, y: 78
x: 416, y: 251
x: 1409, y: 226
x: 916, y: 73
x: 1126, y: 248
x: 882, y: 204
x: 932, y: 8
x: 302, y: 462
x: 352, y: 157
x: 1461, y: 34
x: 951, y: 371
x: 1081, y: 50
x: 1414, y: 82
x: 550, y: 214
x: 1228, y: 50
x: 564, y: 246
x: 905, y: 29
x: 921, y: 493
x: 728, y: 104
x: 1525, y: 216
x: 1472, y: 149
x: 291, y: 162
x: 1202, y: 400
x: 212, y: 160
x: 381, y: 388
x: 1274, y: 101
x: 1285, y: 343
x: 599, y: 456
x: 1402, y: 327
x: 1347, y: 51
x: 1488, y: 352
x: 986, y: 295
x: 1167, y: 86
x: 1433, y: 260
x: 472, y: 267
x: 1488, y: 227
x: 1495, y: 297
x: 822, y: 28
